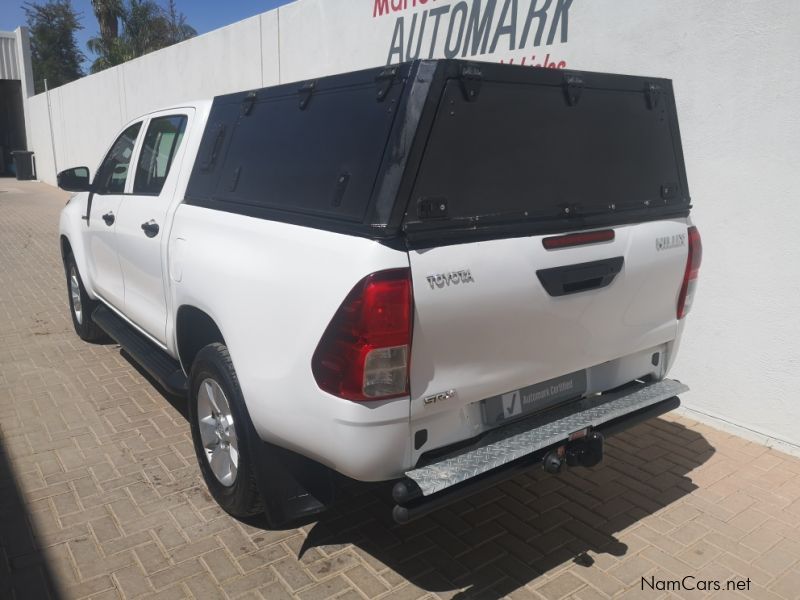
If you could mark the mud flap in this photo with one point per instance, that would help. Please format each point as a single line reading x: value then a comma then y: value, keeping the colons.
x: 292, y: 486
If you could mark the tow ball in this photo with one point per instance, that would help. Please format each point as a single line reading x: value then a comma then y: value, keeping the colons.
x: 582, y: 450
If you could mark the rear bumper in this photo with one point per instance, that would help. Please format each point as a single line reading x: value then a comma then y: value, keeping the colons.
x: 505, y: 452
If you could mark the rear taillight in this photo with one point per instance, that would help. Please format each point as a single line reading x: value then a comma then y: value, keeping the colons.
x: 365, y: 351
x: 690, y: 275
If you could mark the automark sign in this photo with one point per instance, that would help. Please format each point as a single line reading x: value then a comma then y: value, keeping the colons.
x: 473, y: 28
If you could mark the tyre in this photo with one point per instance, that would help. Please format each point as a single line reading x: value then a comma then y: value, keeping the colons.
x: 81, y: 306
x: 221, y: 432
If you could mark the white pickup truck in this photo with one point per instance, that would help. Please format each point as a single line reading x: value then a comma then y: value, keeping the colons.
x: 438, y: 273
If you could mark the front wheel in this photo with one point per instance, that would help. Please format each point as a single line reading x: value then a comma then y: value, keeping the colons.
x: 80, y: 305
x: 220, y: 431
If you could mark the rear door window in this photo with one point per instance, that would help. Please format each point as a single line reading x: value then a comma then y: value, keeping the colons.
x: 161, y: 142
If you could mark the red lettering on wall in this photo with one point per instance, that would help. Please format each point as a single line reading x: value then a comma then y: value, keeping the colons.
x: 381, y: 8
x: 547, y: 63
x: 385, y: 7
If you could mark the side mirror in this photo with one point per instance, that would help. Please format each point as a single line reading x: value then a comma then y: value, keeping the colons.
x: 74, y: 180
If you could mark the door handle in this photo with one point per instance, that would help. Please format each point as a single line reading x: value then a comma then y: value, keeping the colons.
x: 109, y: 218
x: 150, y: 228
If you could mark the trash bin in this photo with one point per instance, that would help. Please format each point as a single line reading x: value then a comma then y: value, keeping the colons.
x: 23, y: 164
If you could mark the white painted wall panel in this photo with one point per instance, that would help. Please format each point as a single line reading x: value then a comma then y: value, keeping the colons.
x: 270, y: 49
x: 80, y: 114
x: 39, y: 136
x: 222, y: 61
x: 322, y: 38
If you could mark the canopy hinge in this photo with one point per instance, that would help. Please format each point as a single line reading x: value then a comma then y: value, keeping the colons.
x: 306, y: 91
x: 573, y: 88
x: 384, y: 82
x: 248, y: 103
x: 471, y: 78
x: 653, y: 94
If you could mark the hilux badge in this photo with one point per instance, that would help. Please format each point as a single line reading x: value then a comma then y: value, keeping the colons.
x: 440, y: 280
x: 670, y: 241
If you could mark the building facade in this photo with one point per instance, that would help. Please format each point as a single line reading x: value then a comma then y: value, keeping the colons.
x: 16, y: 85
x: 735, y: 73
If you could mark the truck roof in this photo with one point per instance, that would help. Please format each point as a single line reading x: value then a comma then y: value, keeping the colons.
x: 199, y: 104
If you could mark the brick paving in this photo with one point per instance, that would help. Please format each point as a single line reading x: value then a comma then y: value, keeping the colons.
x: 100, y: 496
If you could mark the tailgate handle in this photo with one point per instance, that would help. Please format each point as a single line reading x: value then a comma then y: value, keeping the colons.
x: 571, y: 279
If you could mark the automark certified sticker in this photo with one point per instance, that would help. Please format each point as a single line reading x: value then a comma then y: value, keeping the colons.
x: 533, y: 398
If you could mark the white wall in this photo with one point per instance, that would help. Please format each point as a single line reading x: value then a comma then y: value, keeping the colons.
x: 737, y: 80
x: 87, y: 113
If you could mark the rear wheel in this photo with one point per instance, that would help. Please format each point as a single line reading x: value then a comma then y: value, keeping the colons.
x: 80, y: 305
x: 220, y: 432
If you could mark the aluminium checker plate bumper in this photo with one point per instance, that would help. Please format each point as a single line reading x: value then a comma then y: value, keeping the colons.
x: 514, y: 441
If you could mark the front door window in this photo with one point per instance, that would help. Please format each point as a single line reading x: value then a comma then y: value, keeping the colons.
x: 113, y: 173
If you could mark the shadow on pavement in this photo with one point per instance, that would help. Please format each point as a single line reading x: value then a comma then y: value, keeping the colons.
x: 24, y: 570
x: 497, y: 541
x: 177, y: 402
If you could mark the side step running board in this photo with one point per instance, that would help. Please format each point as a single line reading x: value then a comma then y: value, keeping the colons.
x: 160, y: 365
x: 503, y: 452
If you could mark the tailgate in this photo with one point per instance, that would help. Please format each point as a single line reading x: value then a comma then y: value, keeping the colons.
x: 485, y: 324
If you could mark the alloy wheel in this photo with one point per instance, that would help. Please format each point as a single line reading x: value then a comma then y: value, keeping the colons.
x: 75, y: 294
x: 217, y: 432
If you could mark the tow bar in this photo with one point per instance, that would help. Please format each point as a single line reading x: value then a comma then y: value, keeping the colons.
x: 458, y: 476
x: 584, y: 449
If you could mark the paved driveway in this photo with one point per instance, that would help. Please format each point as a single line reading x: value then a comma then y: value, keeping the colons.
x: 100, y: 495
